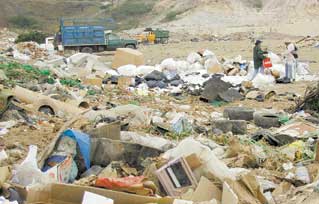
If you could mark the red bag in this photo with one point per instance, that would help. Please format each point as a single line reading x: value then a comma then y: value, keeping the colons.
x: 116, y: 183
x: 267, y: 63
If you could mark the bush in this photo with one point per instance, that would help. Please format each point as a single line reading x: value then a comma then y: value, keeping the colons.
x: 171, y: 16
x: 130, y: 9
x: 258, y: 4
x: 23, y: 22
x: 34, y: 36
x: 105, y: 7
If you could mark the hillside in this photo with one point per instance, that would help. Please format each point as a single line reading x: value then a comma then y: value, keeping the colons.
x: 45, y: 13
x: 226, y: 16
x: 181, y: 16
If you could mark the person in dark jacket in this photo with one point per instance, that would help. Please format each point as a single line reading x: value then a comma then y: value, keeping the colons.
x: 258, y: 59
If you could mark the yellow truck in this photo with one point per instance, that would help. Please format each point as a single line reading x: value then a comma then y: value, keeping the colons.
x: 150, y: 36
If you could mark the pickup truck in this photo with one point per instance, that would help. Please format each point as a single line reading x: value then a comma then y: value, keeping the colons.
x: 88, y: 37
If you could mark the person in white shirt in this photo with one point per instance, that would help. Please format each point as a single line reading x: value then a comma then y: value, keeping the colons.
x: 290, y: 58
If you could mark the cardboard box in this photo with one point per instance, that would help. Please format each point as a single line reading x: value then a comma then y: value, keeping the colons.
x: 93, y: 81
x: 125, y: 56
x: 193, y: 161
x: 110, y: 131
x: 61, y: 172
x: 124, y: 82
x: 206, y: 191
x: 72, y: 194
x: 216, y: 69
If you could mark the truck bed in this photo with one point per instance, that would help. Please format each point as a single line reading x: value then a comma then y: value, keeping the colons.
x: 82, y: 35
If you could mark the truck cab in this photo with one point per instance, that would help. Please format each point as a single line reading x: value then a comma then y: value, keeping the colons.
x: 114, y: 41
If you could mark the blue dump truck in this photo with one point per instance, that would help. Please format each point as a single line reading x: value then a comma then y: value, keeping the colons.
x: 89, y: 35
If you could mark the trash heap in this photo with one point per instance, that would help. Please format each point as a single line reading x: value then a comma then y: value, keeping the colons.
x: 309, y: 41
x: 79, y: 130
x: 7, y: 39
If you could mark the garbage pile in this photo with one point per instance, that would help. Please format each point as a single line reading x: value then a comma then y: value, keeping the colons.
x: 79, y: 130
x: 7, y: 39
x: 268, y: 165
x: 309, y: 41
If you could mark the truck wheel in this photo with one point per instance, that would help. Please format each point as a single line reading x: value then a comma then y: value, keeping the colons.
x: 165, y: 41
x: 130, y: 46
x: 87, y: 50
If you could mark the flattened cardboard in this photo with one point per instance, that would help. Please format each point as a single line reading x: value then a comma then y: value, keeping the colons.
x: 242, y: 192
x: 125, y: 56
x: 193, y: 161
x: 94, y: 81
x: 5, y: 173
x: 206, y: 191
x: 110, y: 131
x: 124, y: 82
x: 229, y: 196
x: 217, y: 68
x: 254, y: 187
x: 71, y: 194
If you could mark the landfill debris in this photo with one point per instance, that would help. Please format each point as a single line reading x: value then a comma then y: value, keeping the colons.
x: 84, y: 128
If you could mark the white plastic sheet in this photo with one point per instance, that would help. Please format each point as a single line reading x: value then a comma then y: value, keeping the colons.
x: 234, y: 80
x: 207, y: 54
x: 263, y: 81
x: 193, y: 57
x: 90, y: 198
x: 144, y: 70
x: 169, y: 64
x: 275, y: 59
x: 127, y: 70
x: 211, y: 164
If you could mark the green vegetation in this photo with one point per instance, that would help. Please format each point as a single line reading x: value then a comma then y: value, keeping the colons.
x: 105, y: 7
x: 130, y: 9
x: 258, y: 4
x: 171, y: 16
x: 23, y: 22
x: 34, y: 36
x: 70, y: 82
x: 130, y: 13
x: 22, y: 73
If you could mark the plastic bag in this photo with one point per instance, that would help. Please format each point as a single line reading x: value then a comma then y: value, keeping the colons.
x: 127, y: 70
x: 132, y: 184
x: 169, y: 64
x: 182, y: 66
x: 196, y: 67
x: 207, y: 54
x: 193, y: 57
x: 144, y: 70
x: 28, y: 172
x: 275, y: 59
x: 262, y: 81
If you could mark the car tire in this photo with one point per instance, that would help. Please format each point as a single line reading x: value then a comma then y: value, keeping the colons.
x: 130, y: 46
x: 266, y: 120
x: 87, y: 50
x: 239, y: 113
